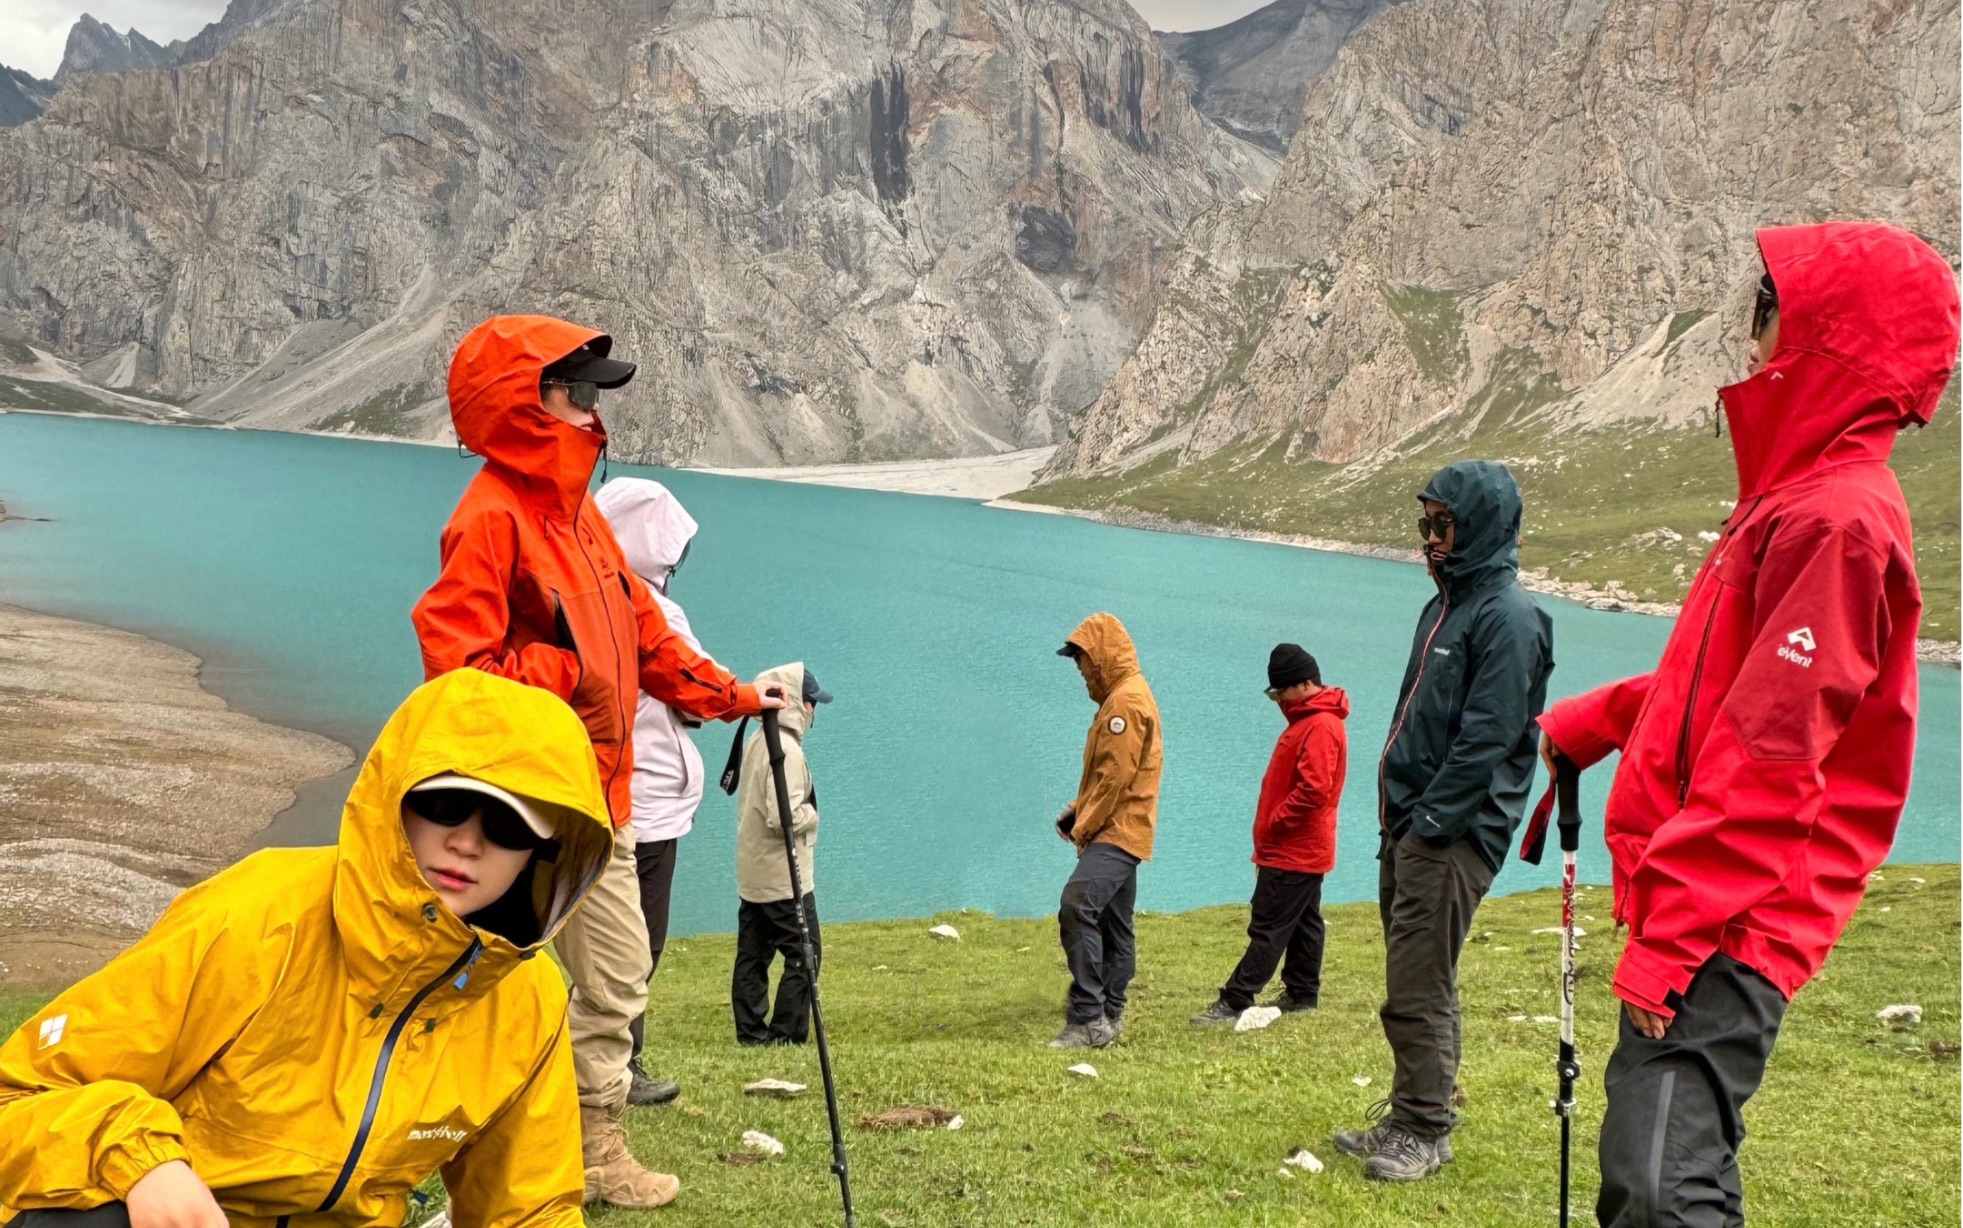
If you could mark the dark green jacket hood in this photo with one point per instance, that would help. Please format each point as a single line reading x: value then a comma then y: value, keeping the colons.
x: 1485, y: 500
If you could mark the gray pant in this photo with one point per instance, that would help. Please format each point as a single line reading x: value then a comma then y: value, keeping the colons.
x: 1426, y: 897
x: 1094, y: 922
x: 1675, y: 1119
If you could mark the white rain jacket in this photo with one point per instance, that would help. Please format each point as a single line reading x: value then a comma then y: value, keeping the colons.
x: 762, y: 875
x: 653, y: 530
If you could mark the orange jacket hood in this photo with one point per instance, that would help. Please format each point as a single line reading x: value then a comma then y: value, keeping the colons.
x: 1107, y: 645
x: 495, y: 406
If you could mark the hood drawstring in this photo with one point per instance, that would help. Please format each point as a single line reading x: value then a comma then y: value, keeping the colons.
x: 1717, y: 418
x: 603, y: 462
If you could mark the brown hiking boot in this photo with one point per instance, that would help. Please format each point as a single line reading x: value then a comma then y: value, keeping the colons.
x: 612, y: 1175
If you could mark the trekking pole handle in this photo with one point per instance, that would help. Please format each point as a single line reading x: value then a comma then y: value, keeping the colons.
x: 1567, y: 799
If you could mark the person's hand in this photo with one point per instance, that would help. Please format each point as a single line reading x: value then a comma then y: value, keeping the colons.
x: 1066, y: 821
x: 1547, y: 752
x: 771, y: 696
x: 171, y: 1196
x: 1646, y: 1023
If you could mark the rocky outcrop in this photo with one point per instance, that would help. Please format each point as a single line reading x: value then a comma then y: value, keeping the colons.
x: 1249, y: 76
x: 840, y: 230
x: 23, y: 96
x: 94, y: 47
x: 1537, y: 212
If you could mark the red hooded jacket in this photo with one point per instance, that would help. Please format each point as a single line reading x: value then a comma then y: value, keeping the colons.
x: 1295, y: 820
x: 533, y: 585
x: 1766, y: 761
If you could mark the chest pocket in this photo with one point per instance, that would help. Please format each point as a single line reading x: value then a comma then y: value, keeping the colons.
x: 586, y: 626
x: 1448, y: 672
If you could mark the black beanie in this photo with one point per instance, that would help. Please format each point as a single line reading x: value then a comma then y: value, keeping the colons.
x: 1288, y: 665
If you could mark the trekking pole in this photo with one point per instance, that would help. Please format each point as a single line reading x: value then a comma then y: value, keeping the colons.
x: 1566, y: 790
x: 774, y: 743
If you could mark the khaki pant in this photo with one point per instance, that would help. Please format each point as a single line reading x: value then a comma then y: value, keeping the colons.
x: 604, y: 949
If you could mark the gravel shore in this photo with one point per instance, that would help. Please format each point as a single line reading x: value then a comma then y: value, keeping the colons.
x: 122, y: 781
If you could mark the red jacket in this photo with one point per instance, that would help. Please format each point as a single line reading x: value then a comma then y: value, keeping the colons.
x: 533, y: 585
x: 1295, y: 820
x: 1766, y: 761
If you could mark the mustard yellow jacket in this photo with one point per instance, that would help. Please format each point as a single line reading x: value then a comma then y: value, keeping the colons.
x: 314, y: 1031
x: 1118, y: 795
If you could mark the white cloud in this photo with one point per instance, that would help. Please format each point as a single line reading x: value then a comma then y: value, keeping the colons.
x: 1194, y: 14
x: 34, y: 32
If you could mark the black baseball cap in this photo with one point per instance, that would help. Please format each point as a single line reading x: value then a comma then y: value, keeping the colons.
x: 813, y: 693
x: 589, y: 364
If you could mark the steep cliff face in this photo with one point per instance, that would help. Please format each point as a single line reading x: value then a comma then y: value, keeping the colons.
x: 95, y: 47
x: 845, y: 229
x: 1249, y: 76
x: 1542, y: 205
x: 23, y: 96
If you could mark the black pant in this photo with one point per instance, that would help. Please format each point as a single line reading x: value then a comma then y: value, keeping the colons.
x: 1675, y: 1120
x: 1426, y: 897
x: 764, y: 931
x: 108, y: 1215
x: 1094, y: 922
x: 1287, y: 921
x: 654, y: 864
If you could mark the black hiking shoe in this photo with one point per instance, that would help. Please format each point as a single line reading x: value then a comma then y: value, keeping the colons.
x: 1365, y: 1143
x: 642, y: 1090
x: 1288, y: 1003
x: 1093, y: 1035
x: 1402, y: 1156
x: 1215, y: 1015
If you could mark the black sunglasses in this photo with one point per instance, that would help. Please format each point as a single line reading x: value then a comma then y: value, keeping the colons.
x: 1765, y: 305
x: 1439, y: 526
x: 453, y: 808
x: 582, y: 393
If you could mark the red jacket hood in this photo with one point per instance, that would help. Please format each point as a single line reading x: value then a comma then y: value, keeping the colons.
x: 1330, y: 699
x: 494, y: 403
x: 1868, y: 329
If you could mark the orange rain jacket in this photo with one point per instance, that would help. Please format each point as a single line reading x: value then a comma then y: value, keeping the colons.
x: 1118, y: 796
x: 534, y: 586
x: 314, y: 1032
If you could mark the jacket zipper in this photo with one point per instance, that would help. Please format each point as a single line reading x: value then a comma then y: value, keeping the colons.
x: 1424, y: 659
x: 449, y: 974
x: 626, y: 716
x: 1697, y: 672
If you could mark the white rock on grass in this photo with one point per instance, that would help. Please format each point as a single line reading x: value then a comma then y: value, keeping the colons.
x: 1304, y: 1159
x: 1083, y: 1070
x: 1555, y: 929
x: 1256, y: 1017
x: 946, y: 933
x: 1360, y: 1080
x: 781, y: 1089
x: 956, y: 1122
x: 757, y: 1140
x: 1547, y: 1019
x: 1900, y: 1014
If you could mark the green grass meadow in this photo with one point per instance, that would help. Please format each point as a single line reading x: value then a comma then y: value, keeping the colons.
x: 1857, y: 1125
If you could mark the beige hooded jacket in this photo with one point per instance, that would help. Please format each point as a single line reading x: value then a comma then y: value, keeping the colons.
x: 1118, y: 797
x: 761, y: 874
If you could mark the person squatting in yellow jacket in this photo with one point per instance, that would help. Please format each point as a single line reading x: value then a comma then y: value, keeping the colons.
x: 308, y: 1035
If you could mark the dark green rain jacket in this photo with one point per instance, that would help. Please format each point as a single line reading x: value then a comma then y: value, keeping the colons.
x: 1460, y: 758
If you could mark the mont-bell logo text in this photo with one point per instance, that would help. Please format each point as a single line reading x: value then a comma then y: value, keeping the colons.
x: 1798, y: 648
x: 450, y: 1133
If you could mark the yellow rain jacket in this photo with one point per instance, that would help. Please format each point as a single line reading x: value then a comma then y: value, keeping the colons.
x: 1118, y: 795
x: 314, y: 1031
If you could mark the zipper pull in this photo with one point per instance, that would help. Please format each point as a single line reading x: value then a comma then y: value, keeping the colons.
x: 476, y: 952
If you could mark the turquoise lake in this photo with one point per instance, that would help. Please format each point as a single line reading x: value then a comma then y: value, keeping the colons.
x: 289, y: 563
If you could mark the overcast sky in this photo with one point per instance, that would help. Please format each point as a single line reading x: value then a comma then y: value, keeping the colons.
x: 33, y: 32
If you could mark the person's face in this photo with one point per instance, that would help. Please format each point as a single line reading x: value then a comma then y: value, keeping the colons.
x: 1440, y: 532
x: 810, y: 714
x: 558, y: 401
x: 1293, y: 694
x: 466, y: 871
x: 1084, y: 669
x: 1762, y: 348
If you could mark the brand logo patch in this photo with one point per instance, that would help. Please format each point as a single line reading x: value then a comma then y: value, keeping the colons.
x: 1117, y: 724
x: 1803, y: 638
x: 450, y: 1133
x: 52, y: 1029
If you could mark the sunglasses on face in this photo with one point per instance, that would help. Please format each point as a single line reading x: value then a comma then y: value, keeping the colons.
x: 453, y: 808
x: 1273, y: 692
x: 580, y: 392
x: 1439, y: 526
x: 1765, y: 305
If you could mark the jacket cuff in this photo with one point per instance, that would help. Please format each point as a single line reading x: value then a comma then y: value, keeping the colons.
x: 119, y: 1168
x: 1570, y: 724
x: 1645, y: 979
x: 749, y: 702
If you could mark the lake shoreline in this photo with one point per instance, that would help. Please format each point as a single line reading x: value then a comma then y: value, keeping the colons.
x: 126, y: 781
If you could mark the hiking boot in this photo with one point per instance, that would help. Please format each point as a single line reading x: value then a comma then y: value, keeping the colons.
x: 612, y: 1175
x: 1288, y: 1003
x: 1093, y: 1035
x: 1117, y: 1023
x: 1365, y: 1143
x: 1402, y: 1156
x: 1215, y: 1015
x: 643, y: 1090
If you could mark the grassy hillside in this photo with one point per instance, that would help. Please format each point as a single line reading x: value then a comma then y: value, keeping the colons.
x: 1597, y: 503
x: 1857, y: 1124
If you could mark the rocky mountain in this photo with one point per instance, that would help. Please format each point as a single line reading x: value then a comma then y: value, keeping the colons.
x: 841, y: 229
x: 95, y: 47
x: 1523, y: 228
x: 1249, y: 76
x: 23, y: 96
